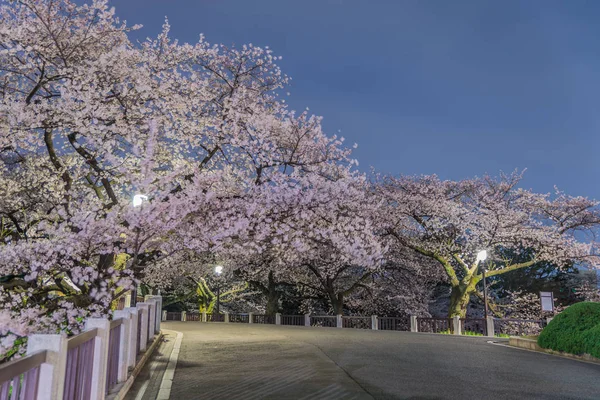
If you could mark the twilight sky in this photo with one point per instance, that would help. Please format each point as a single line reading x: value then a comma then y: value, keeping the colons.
x: 458, y: 89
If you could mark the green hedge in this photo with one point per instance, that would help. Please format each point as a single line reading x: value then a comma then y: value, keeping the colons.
x: 576, y: 330
x: 591, y: 338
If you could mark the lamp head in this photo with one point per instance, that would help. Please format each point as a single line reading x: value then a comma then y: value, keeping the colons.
x: 138, y: 199
x: 482, y: 255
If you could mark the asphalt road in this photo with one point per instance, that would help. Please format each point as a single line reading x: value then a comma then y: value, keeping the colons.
x: 240, y: 361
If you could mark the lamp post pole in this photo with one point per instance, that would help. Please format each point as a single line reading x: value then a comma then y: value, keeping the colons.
x: 485, y: 296
x: 218, y: 299
x: 133, y: 301
x: 138, y: 201
x: 482, y: 256
x: 218, y: 271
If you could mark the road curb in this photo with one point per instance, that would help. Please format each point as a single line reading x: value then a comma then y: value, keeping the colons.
x: 125, y: 386
x: 164, y: 392
x: 531, y: 345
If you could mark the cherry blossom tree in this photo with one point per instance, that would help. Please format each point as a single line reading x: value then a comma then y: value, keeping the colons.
x: 450, y: 222
x: 88, y: 119
x: 317, y: 229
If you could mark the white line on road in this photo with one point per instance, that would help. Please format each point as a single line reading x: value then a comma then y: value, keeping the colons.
x: 164, y: 393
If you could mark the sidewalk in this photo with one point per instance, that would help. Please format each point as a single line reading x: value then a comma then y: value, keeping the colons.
x: 148, y: 382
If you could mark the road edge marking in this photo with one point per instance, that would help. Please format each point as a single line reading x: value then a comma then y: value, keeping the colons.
x: 164, y: 392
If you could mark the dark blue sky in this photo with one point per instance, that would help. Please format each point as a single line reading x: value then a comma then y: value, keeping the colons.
x: 456, y: 88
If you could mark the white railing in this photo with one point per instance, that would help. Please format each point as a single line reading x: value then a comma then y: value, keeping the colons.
x: 88, y: 366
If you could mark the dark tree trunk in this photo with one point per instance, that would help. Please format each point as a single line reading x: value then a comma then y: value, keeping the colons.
x: 272, y: 296
x: 337, y: 302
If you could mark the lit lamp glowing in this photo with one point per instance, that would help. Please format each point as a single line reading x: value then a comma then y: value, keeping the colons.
x: 138, y: 199
x: 482, y: 256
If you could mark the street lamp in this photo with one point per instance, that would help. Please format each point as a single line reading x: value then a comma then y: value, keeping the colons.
x: 482, y: 256
x: 218, y: 271
x: 138, y: 201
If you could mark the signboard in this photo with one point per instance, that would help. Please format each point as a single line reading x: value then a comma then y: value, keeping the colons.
x: 547, y: 301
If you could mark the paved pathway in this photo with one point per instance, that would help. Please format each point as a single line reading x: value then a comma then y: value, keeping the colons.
x: 239, y: 361
x: 147, y: 384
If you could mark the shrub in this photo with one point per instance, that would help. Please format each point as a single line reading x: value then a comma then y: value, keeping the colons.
x: 591, y: 339
x: 568, y: 331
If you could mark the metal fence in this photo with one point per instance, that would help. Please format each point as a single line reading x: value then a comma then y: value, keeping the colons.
x: 296, y: 320
x: 240, y: 318
x: 393, y: 324
x: 356, y: 322
x: 215, y: 317
x: 19, y: 379
x: 474, y: 325
x: 434, y: 325
x: 263, y: 319
x: 80, y: 363
x: 327, y: 321
x: 173, y: 316
x: 192, y: 316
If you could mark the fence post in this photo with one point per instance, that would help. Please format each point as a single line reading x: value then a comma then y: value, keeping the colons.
x: 124, y: 343
x: 164, y: 315
x: 204, y: 319
x: 100, y: 363
x: 226, y: 317
x: 374, y: 325
x: 158, y: 313
x: 306, y: 319
x: 489, y: 326
x: 278, y: 319
x: 151, y: 318
x: 183, y: 316
x: 132, y: 356
x: 143, y: 309
x: 52, y: 372
x: 339, y: 323
x: 456, y: 328
x: 250, y: 318
x: 413, y: 324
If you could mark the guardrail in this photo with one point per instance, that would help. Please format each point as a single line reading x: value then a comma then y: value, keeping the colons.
x: 295, y: 320
x: 393, y: 324
x: 20, y: 379
x: 456, y: 325
x: 326, y: 321
x: 434, y: 325
x: 473, y: 325
x: 239, y: 318
x: 357, y: 322
x: 87, y: 366
x: 80, y: 365
x: 478, y: 326
x: 263, y: 319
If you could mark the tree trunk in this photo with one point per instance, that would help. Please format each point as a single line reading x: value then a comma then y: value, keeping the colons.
x: 459, y: 300
x: 272, y: 296
x: 337, y: 303
x: 461, y: 296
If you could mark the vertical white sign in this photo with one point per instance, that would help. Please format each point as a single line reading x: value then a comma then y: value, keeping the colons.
x: 547, y: 301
